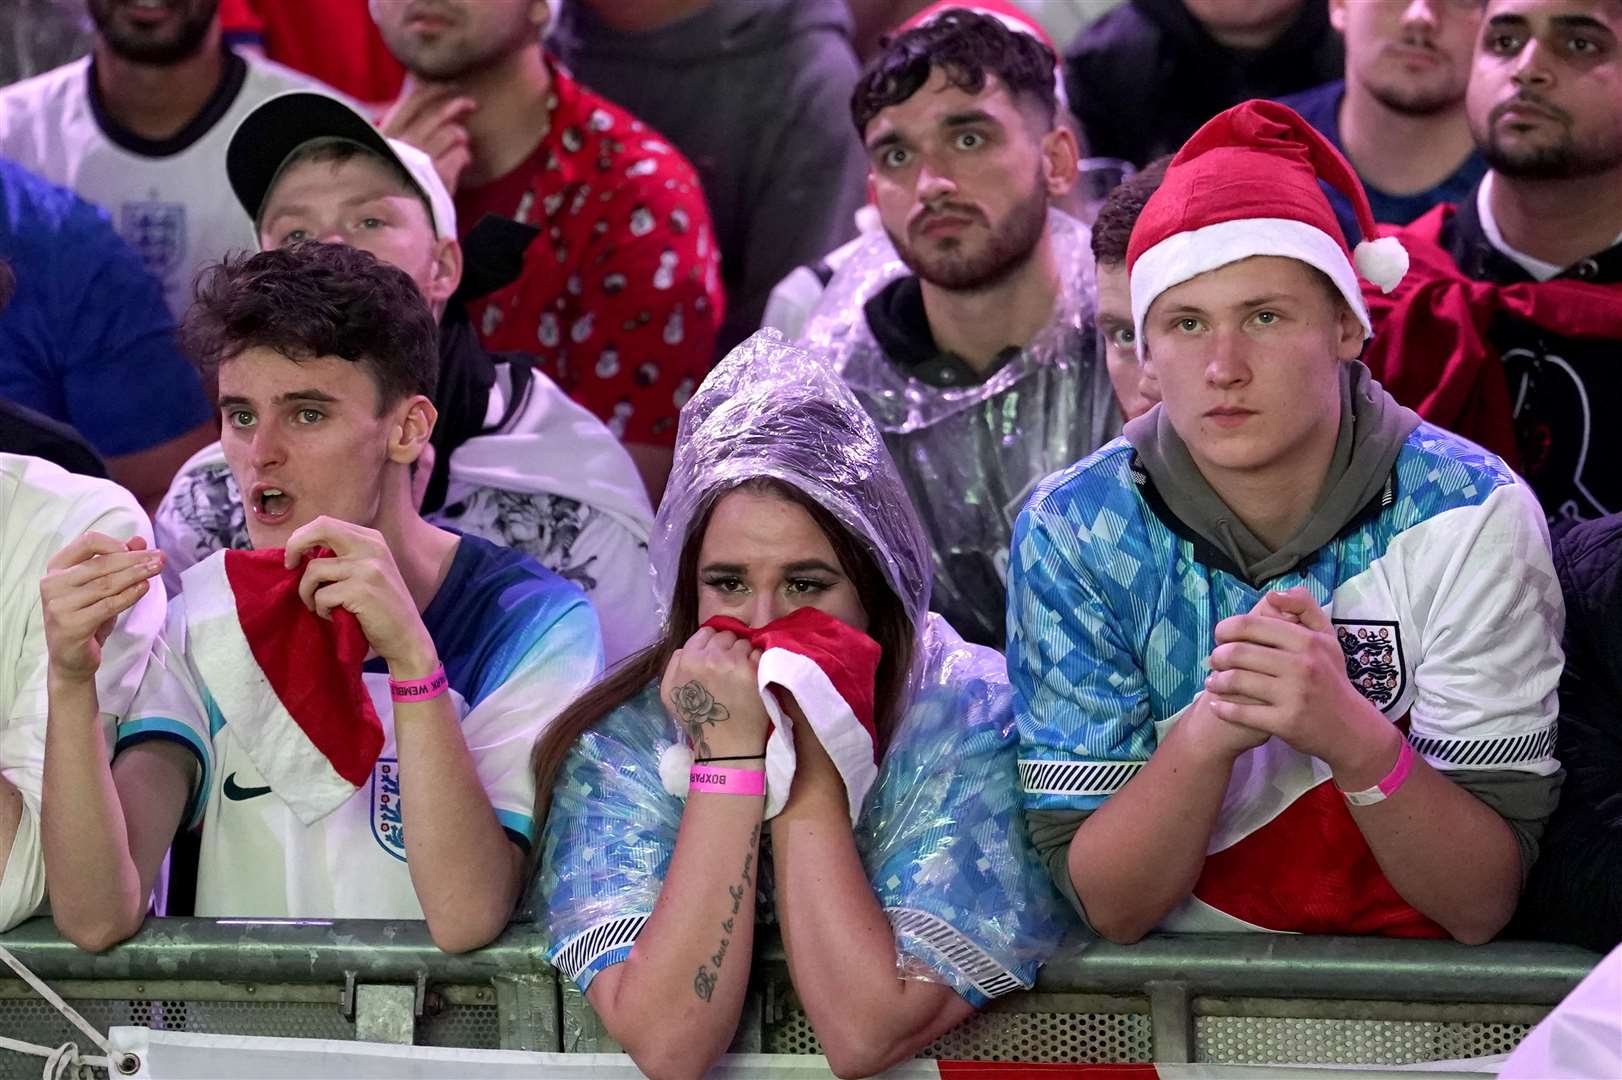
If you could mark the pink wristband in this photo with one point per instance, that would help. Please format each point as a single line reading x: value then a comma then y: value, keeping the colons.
x: 420, y: 689
x: 1387, y: 787
x: 726, y: 781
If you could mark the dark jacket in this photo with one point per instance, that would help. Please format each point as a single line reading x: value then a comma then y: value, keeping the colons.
x: 24, y: 431
x: 756, y: 94
x: 1575, y: 891
x: 1144, y: 77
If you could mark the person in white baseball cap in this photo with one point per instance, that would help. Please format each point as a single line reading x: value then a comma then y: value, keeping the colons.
x: 514, y: 460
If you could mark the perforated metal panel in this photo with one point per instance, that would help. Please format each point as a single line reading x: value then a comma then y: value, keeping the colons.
x: 1268, y: 1040
x: 477, y: 1027
x: 1007, y: 1036
x: 471, y: 1025
x: 35, y: 1021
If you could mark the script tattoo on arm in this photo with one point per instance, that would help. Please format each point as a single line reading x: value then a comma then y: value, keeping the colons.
x: 704, y: 980
x: 698, y: 709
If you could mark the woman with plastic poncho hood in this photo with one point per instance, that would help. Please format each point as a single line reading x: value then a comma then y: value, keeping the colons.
x: 785, y: 513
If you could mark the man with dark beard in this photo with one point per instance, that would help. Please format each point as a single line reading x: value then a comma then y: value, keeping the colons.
x: 964, y: 326
x: 1508, y: 331
x: 140, y: 127
x: 1398, y: 115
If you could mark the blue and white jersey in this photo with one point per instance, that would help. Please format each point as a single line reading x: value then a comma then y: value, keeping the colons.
x: 518, y: 644
x: 1444, y: 599
x: 942, y: 835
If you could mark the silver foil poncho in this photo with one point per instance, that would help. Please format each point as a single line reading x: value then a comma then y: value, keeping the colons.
x: 941, y: 833
x: 970, y: 455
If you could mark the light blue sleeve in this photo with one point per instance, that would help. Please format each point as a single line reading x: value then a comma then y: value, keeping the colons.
x: 943, y: 835
x: 608, y: 840
x: 1081, y: 699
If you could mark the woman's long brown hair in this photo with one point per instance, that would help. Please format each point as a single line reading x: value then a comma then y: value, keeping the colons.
x: 887, y: 624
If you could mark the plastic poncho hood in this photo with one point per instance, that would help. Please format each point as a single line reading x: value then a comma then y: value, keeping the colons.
x: 773, y: 410
x: 970, y: 454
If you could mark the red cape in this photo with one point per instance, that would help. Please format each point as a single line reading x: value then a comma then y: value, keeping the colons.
x: 1431, y: 347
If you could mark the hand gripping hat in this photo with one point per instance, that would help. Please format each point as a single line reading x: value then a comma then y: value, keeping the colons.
x: 1246, y: 184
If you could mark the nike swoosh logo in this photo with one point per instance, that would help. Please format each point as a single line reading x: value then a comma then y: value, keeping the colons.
x: 238, y: 794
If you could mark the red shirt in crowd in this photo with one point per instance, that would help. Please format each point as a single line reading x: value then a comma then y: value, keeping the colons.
x: 620, y: 296
x: 332, y: 40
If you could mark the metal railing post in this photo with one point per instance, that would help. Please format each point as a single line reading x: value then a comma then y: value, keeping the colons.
x: 1171, y: 1021
x: 527, y: 1012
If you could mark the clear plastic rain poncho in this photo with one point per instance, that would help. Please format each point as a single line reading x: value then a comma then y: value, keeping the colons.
x: 970, y: 455
x: 941, y: 834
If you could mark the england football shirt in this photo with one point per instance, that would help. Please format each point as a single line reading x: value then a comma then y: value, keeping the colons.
x: 168, y: 198
x: 518, y: 644
x: 1444, y: 600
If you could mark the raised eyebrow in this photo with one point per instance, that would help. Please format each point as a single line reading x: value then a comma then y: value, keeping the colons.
x: 294, y: 210
x: 1183, y: 310
x: 969, y: 118
x: 723, y: 568
x: 1580, y: 22
x: 304, y: 395
x: 226, y: 403
x: 297, y: 209
x: 884, y: 142
x: 811, y: 564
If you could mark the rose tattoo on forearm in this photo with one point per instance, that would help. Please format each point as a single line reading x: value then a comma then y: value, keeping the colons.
x: 699, y: 710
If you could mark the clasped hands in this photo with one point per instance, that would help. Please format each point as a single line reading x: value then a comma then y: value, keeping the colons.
x: 1279, y: 671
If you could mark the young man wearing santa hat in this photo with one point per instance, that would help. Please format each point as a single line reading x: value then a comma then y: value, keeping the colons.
x: 1284, y: 657
x: 351, y: 704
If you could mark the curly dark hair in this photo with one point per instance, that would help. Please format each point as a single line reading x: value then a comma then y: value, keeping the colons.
x: 8, y: 284
x: 967, y: 46
x: 1112, y: 229
x: 310, y: 300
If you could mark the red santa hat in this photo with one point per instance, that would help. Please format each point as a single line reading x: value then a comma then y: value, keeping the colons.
x: 286, y: 680
x: 830, y: 668
x: 1246, y: 184
x: 1010, y: 15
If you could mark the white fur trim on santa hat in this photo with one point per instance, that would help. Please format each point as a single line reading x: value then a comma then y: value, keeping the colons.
x: 830, y: 716
x: 676, y: 769
x: 1383, y: 262
x: 1186, y: 255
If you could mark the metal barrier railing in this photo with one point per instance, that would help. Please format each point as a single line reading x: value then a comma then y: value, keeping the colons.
x: 1236, y: 998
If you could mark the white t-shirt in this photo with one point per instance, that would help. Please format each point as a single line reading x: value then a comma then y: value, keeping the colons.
x: 170, y: 200
x: 518, y: 644
x: 1540, y: 269
x: 42, y: 509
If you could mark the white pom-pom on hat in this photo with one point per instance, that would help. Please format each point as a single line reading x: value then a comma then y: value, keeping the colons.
x: 676, y: 769
x: 1383, y: 261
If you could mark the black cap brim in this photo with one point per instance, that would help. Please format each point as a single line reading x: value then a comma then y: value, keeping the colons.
x: 279, y: 126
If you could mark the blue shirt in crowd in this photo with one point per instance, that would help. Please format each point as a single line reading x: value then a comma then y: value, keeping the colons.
x: 87, y: 339
x: 1320, y: 107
